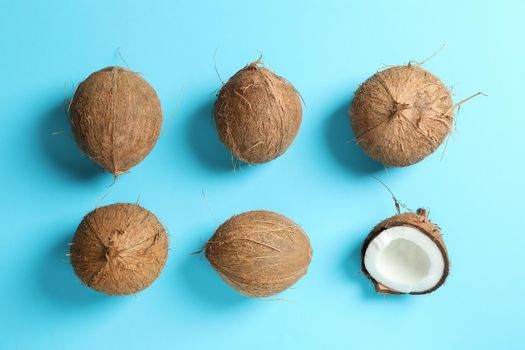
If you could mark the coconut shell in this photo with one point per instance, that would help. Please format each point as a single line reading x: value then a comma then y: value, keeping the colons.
x: 419, y: 221
x: 401, y: 115
x: 257, y: 114
x: 119, y: 249
x: 259, y: 253
x: 116, y: 118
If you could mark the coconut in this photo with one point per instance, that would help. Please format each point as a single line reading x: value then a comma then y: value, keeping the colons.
x: 116, y: 118
x: 405, y: 254
x: 259, y: 253
x: 119, y: 249
x: 401, y: 115
x: 257, y: 114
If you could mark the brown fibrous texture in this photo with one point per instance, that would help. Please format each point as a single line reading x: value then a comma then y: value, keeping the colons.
x: 119, y: 249
x: 401, y: 115
x: 116, y: 118
x: 257, y: 114
x: 420, y: 221
x: 259, y: 253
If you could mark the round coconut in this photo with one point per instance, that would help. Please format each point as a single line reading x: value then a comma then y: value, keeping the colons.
x: 407, y: 253
x: 259, y: 253
x: 119, y: 249
x: 401, y: 115
x: 257, y: 114
x: 116, y: 118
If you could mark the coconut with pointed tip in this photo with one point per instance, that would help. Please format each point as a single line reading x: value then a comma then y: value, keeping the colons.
x: 119, y: 249
x: 257, y: 114
x: 401, y: 115
x: 405, y: 254
x: 259, y: 253
x: 116, y: 118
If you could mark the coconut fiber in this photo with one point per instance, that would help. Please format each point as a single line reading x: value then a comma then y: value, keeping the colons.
x: 401, y: 115
x: 116, y: 118
x: 257, y: 114
x: 259, y: 253
x: 119, y: 249
x: 419, y: 221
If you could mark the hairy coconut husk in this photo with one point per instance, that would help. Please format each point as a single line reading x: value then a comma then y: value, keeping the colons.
x: 257, y: 114
x: 401, y: 115
x: 419, y: 221
x: 259, y: 253
x: 116, y: 118
x: 119, y: 249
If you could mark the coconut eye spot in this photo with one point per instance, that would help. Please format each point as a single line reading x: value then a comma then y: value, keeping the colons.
x: 403, y: 261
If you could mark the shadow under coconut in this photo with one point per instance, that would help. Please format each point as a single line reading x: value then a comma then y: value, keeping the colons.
x: 351, y: 265
x: 207, y: 286
x: 342, y: 144
x: 204, y: 141
x: 58, y: 282
x: 60, y: 147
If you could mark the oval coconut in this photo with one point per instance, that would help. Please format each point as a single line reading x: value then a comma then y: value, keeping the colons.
x: 424, y: 226
x: 257, y: 114
x: 401, y: 115
x: 116, y: 118
x: 119, y: 249
x: 259, y: 253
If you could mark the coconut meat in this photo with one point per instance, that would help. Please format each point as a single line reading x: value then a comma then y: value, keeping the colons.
x: 404, y: 259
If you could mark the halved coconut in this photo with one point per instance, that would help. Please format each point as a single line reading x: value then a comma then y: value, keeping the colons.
x: 405, y: 254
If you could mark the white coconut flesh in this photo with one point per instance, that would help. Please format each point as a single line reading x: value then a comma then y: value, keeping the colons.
x: 404, y: 259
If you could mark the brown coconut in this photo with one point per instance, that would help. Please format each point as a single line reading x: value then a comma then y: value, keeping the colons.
x: 257, y: 114
x: 119, y: 249
x: 420, y: 221
x: 116, y: 118
x: 259, y: 253
x: 401, y: 115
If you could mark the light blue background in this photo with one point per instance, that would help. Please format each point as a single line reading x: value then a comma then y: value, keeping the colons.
x: 324, y: 183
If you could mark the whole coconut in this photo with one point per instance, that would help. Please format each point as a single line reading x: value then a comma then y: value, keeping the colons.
x: 116, y: 118
x: 119, y: 249
x: 401, y: 115
x: 259, y: 253
x: 257, y: 114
